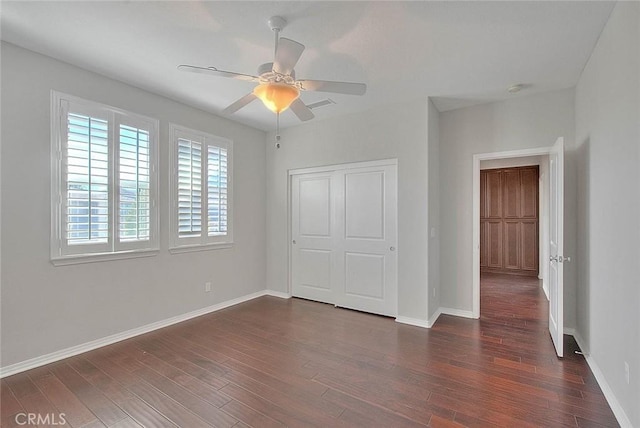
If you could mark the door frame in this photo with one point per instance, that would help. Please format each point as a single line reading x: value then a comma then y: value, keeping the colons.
x: 475, y: 212
x: 315, y: 169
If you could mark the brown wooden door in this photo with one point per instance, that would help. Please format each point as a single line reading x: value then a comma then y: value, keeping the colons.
x: 509, y: 220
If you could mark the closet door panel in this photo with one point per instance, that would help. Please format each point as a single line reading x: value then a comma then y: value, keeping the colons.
x: 367, y: 246
x: 494, y: 243
x: 529, y: 249
x: 529, y: 193
x: 511, y: 193
x: 512, y: 245
x: 313, y: 233
x: 494, y: 194
x: 484, y: 248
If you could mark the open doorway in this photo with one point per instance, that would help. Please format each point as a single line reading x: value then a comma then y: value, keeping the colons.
x: 551, y: 255
x: 538, y: 158
x: 513, y: 218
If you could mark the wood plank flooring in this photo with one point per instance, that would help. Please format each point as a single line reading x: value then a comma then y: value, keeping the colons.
x: 272, y: 363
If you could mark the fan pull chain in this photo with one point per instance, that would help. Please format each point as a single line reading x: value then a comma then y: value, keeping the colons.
x: 278, y: 130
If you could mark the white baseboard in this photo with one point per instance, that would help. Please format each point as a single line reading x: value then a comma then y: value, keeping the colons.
x: 457, y: 312
x: 617, y: 409
x: 279, y: 294
x: 94, y: 344
x: 435, y: 317
x: 431, y: 321
x: 413, y: 321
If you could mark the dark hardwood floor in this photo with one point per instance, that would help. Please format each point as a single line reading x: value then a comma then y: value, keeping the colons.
x: 272, y: 362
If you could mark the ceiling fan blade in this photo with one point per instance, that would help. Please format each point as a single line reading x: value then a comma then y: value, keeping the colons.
x: 240, y: 103
x: 287, y: 55
x: 215, y: 72
x: 335, y: 87
x: 302, y: 111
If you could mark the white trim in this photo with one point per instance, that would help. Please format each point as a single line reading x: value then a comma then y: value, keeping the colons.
x: 475, y: 212
x: 545, y: 288
x: 413, y: 321
x: 200, y: 247
x: 431, y: 321
x: 93, y: 258
x: 616, y: 408
x: 458, y: 313
x: 279, y: 294
x: 343, y: 166
x: 434, y: 317
x: 98, y: 343
x: 289, y: 234
x: 570, y: 332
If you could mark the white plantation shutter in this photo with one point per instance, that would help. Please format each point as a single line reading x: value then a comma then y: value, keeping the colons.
x: 104, y: 181
x: 201, y: 190
x: 216, y: 191
x: 189, y: 188
x: 87, y: 180
x: 134, y: 203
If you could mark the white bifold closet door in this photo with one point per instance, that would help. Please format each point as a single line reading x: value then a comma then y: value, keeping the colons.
x: 344, y: 237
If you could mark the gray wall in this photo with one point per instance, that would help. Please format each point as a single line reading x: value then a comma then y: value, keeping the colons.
x: 47, y: 308
x: 396, y: 131
x: 519, y: 123
x: 608, y: 147
x: 433, y: 124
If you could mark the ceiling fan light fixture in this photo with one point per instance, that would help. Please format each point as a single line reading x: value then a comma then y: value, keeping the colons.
x: 277, y: 97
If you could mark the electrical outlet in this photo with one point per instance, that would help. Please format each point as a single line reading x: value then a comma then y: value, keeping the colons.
x: 207, y: 287
x: 626, y: 372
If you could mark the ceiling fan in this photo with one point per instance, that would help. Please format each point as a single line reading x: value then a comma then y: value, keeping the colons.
x: 277, y: 86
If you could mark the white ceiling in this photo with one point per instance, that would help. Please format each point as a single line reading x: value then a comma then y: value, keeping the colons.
x: 460, y: 53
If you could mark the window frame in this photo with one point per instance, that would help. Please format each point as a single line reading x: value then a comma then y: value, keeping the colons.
x: 204, y: 241
x: 61, y: 252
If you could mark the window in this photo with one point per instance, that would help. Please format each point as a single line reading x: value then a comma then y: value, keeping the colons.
x: 201, y: 190
x: 104, y: 182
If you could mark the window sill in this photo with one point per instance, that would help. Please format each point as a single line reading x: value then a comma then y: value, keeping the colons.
x: 199, y: 247
x: 102, y: 257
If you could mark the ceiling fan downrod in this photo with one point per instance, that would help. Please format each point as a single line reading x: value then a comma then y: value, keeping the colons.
x: 276, y: 23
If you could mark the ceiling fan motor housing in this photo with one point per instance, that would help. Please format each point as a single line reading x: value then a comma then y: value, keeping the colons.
x: 266, y: 73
